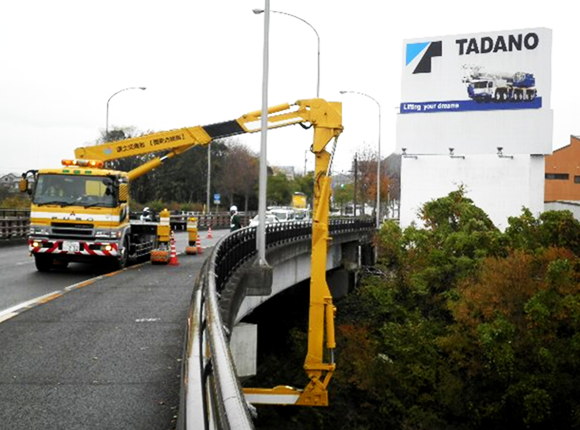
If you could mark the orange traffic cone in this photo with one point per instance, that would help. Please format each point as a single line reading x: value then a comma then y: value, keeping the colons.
x: 198, y: 245
x: 173, y: 259
x: 209, y: 233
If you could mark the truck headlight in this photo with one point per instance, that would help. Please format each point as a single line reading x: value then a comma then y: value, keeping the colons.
x: 42, y: 231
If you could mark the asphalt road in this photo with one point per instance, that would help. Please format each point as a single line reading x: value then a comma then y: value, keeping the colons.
x: 103, y: 355
x: 20, y: 281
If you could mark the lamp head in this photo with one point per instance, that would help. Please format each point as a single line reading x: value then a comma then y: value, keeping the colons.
x: 142, y: 88
x: 258, y: 11
x: 342, y: 92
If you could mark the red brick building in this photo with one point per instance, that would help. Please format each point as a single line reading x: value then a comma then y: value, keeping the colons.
x: 563, y: 173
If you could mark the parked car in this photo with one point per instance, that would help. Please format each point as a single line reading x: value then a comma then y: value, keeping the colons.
x: 302, y: 215
x: 270, y: 219
x: 284, y: 215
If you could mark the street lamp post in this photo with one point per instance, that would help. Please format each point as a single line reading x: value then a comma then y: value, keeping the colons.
x: 259, y: 11
x: 378, y: 210
x: 208, y: 202
x: 263, y: 175
x: 120, y: 91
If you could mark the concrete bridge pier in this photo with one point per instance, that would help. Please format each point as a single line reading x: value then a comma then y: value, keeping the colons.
x: 290, y: 265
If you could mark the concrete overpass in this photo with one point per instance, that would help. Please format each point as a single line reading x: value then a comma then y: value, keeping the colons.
x: 228, y: 288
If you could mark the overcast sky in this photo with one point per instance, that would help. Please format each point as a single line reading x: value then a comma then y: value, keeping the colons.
x: 201, y: 62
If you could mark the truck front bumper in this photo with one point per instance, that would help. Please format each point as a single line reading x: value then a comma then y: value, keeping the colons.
x: 73, y: 250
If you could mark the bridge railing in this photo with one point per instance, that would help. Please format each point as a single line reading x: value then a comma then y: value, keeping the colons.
x: 14, y: 223
x: 217, y: 220
x: 211, y: 394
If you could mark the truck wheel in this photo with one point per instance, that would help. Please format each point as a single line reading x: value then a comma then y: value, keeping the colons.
x: 43, y: 263
x: 124, y: 257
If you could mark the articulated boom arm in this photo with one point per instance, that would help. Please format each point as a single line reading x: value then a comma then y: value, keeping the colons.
x: 314, y: 111
x: 326, y: 119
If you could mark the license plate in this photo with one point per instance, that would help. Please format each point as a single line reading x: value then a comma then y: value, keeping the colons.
x: 71, y: 246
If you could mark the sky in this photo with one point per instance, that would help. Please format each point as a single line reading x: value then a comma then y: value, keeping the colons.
x: 201, y: 62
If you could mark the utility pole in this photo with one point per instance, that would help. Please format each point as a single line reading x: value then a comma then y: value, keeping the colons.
x: 355, y: 181
x: 208, y: 196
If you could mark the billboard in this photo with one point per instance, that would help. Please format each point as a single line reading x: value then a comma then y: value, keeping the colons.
x: 476, y: 92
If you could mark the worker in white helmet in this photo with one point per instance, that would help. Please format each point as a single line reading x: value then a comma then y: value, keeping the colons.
x: 235, y: 223
x: 147, y: 214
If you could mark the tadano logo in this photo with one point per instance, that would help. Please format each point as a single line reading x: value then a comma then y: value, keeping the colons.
x: 428, y: 49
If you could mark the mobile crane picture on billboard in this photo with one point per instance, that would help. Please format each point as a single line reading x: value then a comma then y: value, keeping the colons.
x: 492, y: 71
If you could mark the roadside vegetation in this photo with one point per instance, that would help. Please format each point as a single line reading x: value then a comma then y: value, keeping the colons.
x: 459, y: 326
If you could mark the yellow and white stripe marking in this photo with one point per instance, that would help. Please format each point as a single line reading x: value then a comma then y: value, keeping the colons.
x: 15, y: 310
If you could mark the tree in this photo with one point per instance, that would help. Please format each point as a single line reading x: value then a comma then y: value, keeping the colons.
x: 304, y: 184
x: 343, y: 195
x: 250, y: 176
x: 516, y: 336
x: 366, y: 175
x: 470, y: 334
x: 240, y: 173
x: 393, y: 172
x: 279, y: 190
x: 552, y: 228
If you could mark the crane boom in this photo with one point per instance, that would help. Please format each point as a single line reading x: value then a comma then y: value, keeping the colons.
x: 180, y: 140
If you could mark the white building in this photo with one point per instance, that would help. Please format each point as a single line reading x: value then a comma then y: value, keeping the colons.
x: 10, y: 181
x: 475, y: 111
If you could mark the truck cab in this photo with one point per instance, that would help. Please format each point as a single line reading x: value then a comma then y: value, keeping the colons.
x: 77, y: 214
x: 488, y: 89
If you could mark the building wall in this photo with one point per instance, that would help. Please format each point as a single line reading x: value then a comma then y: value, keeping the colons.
x: 563, y: 173
x: 573, y: 207
x: 499, y: 186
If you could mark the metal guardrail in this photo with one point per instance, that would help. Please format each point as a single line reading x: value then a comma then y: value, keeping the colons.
x: 219, y: 220
x: 14, y: 223
x: 212, y: 397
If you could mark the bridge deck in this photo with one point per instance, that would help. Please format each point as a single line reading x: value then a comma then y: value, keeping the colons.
x: 104, y: 356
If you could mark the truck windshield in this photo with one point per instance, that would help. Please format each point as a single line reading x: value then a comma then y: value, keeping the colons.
x: 480, y: 84
x: 68, y: 190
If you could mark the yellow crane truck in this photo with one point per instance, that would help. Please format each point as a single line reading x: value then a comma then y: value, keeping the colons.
x: 80, y: 212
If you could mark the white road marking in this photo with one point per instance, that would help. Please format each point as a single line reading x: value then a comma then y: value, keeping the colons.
x: 6, y: 313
